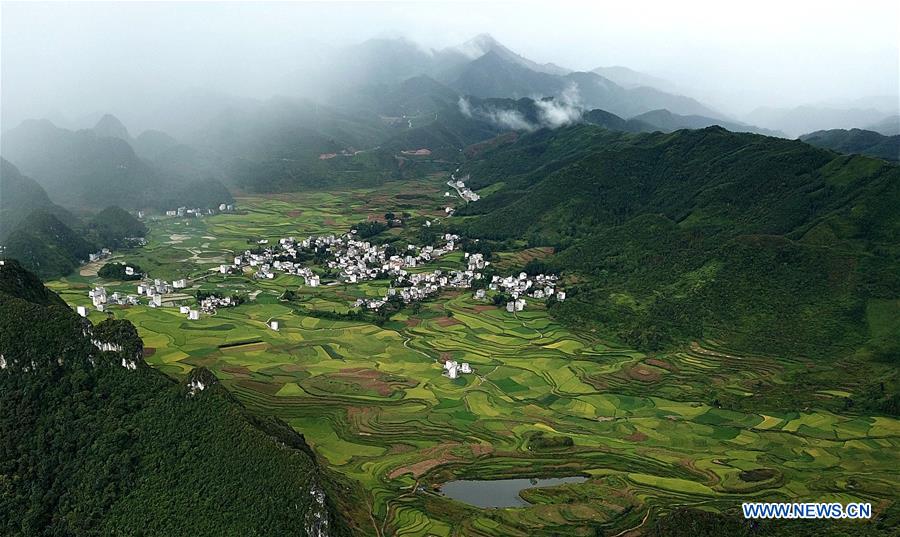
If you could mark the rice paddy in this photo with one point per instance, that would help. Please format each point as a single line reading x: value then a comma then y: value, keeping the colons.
x: 373, y: 403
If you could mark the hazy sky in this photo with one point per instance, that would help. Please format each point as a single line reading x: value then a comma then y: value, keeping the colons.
x: 80, y: 58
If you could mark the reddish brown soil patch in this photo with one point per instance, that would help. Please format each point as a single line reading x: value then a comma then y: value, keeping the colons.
x: 643, y: 374
x: 636, y: 436
x: 413, y: 322
x: 292, y: 368
x: 437, y: 456
x: 295, y: 213
x: 329, y: 222
x: 148, y: 351
x: 257, y: 386
x: 370, y: 379
x: 484, y: 307
x: 445, y: 356
x: 236, y: 370
x: 248, y: 347
x: 446, y: 321
x: 400, y: 448
x: 661, y: 364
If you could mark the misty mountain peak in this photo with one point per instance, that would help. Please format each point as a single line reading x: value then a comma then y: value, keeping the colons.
x: 109, y: 125
x: 479, y: 46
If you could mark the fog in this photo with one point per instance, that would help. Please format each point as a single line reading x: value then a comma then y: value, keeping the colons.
x: 71, y: 62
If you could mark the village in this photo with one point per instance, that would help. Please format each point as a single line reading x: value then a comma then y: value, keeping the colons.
x: 346, y: 259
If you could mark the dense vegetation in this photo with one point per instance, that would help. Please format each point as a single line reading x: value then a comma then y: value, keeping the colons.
x: 47, y: 246
x: 863, y: 142
x: 116, y: 271
x: 767, y: 244
x: 112, y: 226
x: 48, y: 239
x: 88, y: 447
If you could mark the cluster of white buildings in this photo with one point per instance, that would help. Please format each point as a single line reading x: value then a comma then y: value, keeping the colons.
x: 211, y: 303
x: 97, y: 256
x: 196, y: 211
x: 353, y: 260
x: 464, y: 192
x: 538, y: 286
x: 100, y: 298
x: 453, y: 369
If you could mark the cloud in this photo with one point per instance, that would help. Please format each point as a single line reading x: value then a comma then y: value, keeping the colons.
x: 465, y: 107
x: 552, y: 113
x: 565, y: 110
x: 511, y: 119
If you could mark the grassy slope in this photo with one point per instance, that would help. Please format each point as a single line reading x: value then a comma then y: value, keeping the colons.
x: 766, y: 244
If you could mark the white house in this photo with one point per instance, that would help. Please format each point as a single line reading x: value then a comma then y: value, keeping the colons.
x: 157, y: 300
x: 129, y: 271
x: 82, y: 311
x: 184, y: 309
x: 273, y: 325
x: 193, y: 315
x: 465, y: 368
x: 179, y: 284
x: 451, y: 368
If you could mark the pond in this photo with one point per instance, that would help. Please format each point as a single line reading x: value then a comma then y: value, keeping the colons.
x: 500, y: 492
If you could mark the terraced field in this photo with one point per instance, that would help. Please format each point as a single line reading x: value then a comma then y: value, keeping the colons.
x: 373, y: 403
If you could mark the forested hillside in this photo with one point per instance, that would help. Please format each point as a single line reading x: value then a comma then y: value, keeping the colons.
x: 48, y: 239
x: 97, y: 443
x: 766, y: 244
x: 859, y: 141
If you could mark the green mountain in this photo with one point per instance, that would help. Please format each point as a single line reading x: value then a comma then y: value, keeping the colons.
x: 610, y: 121
x: 97, y: 443
x: 80, y: 168
x: 767, y: 245
x: 856, y: 141
x: 493, y: 75
x: 666, y: 121
x: 47, y: 246
x: 113, y: 225
x: 48, y: 239
x: 20, y: 196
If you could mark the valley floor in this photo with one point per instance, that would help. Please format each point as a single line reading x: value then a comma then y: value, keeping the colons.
x: 373, y: 402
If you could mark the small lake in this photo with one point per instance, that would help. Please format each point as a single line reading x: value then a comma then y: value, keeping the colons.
x: 500, y: 492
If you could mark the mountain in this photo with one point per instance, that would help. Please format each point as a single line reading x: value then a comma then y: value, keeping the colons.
x: 803, y: 119
x: 610, y: 121
x: 153, y: 144
x: 113, y: 225
x: 492, y: 75
x: 629, y: 78
x: 134, y: 452
x: 47, y: 246
x: 483, y: 44
x: 889, y: 126
x: 20, y: 196
x: 80, y: 168
x: 858, y: 141
x: 110, y: 126
x: 666, y: 121
x: 481, y: 67
x: 764, y: 244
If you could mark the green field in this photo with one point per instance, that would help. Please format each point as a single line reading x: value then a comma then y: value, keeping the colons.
x: 372, y: 401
